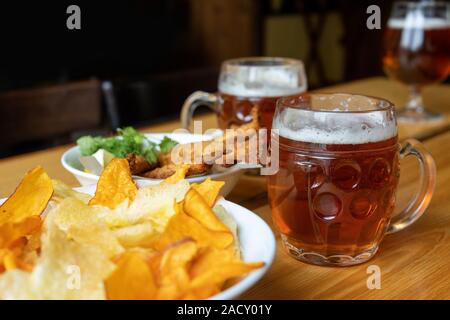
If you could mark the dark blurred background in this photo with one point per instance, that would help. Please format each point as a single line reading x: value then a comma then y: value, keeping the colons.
x: 134, y: 62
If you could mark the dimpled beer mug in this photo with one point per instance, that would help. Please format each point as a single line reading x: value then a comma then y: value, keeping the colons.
x: 245, y: 83
x: 333, y: 196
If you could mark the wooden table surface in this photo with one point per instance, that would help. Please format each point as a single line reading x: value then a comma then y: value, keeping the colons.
x: 414, y: 263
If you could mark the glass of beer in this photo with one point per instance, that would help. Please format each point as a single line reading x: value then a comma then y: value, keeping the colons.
x: 245, y: 83
x: 333, y: 196
x: 417, y: 51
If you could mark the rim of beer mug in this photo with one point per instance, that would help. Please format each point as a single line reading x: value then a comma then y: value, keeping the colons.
x: 414, y: 5
x: 302, y: 102
x: 250, y: 77
x: 420, y: 3
x: 279, y: 62
x: 291, y: 102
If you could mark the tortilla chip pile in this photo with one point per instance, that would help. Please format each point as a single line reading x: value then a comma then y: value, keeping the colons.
x: 167, y: 241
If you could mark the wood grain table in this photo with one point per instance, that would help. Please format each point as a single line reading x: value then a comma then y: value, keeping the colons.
x: 414, y: 263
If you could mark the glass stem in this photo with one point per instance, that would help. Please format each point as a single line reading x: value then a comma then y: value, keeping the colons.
x: 415, y: 102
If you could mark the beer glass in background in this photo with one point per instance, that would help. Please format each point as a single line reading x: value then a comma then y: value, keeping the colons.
x: 333, y: 197
x: 245, y: 83
x: 417, y: 51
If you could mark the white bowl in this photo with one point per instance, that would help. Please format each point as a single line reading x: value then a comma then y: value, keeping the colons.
x: 70, y: 160
x: 257, y: 244
x: 256, y: 239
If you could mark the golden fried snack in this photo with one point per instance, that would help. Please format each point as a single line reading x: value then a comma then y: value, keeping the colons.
x: 164, y: 159
x: 198, y: 169
x: 171, y: 241
x: 224, y: 150
x: 234, y: 149
x: 169, y: 169
x: 161, y: 172
x: 167, y: 166
x: 228, y: 143
x: 138, y: 164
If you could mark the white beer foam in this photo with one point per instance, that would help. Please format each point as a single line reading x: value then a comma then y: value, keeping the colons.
x: 263, y: 82
x: 241, y: 90
x: 334, y: 127
x: 418, y: 21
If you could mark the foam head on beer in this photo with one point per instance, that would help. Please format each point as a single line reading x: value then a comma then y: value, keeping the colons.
x: 262, y: 78
x: 417, y: 20
x: 335, y: 119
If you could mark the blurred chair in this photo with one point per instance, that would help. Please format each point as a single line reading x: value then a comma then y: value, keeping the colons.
x: 46, y: 116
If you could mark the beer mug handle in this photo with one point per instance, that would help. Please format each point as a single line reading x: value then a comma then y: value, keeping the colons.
x: 196, y: 99
x: 415, y: 209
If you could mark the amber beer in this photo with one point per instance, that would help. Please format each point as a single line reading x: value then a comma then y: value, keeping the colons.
x: 334, y: 198
x: 236, y: 110
x: 417, y: 53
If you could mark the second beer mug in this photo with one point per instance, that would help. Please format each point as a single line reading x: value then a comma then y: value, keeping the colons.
x: 245, y: 83
x: 333, y: 197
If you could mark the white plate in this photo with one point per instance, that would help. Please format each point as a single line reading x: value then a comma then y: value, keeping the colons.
x: 256, y: 239
x: 257, y: 244
x: 70, y: 160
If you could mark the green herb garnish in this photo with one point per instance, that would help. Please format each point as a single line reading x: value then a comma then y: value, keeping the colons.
x: 167, y: 144
x: 129, y: 140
